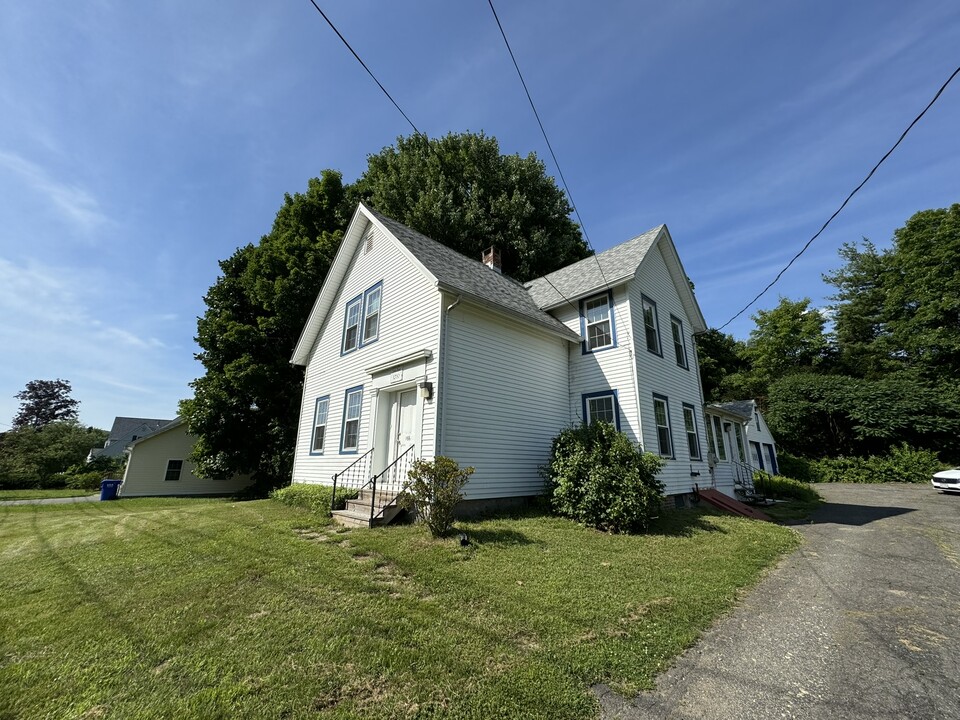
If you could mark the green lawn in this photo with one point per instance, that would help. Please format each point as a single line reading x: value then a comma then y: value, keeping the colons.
x: 216, y: 609
x: 39, y: 494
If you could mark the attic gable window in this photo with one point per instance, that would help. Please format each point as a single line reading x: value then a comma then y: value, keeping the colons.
x: 651, y: 325
x: 597, y: 322
x: 351, y: 325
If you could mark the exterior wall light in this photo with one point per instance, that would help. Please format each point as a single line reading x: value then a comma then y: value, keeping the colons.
x: 426, y: 390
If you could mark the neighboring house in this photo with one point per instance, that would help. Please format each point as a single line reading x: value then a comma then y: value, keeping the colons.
x: 158, y: 465
x: 762, y: 446
x: 413, y: 348
x: 124, y: 431
x: 748, y: 446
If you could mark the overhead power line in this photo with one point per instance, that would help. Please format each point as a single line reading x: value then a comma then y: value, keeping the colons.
x: 415, y: 130
x: 556, y: 162
x: 369, y: 71
x: 844, y: 204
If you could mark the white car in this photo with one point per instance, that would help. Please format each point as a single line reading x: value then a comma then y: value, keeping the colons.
x: 947, y: 480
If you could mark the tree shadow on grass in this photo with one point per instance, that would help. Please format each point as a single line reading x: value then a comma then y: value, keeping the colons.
x: 497, y: 536
x: 684, y: 523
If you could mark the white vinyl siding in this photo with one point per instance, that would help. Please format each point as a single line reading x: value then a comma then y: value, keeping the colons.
x: 662, y: 375
x: 504, y: 400
x: 408, y: 322
x: 158, y: 465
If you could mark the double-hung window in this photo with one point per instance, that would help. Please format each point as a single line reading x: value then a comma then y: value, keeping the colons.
x: 320, y: 425
x: 661, y: 415
x: 715, y: 436
x: 679, y: 348
x: 371, y: 314
x: 690, y: 425
x: 351, y: 325
x: 601, y: 406
x: 651, y: 325
x: 598, y: 322
x: 173, y: 470
x: 361, y: 325
x: 350, y: 432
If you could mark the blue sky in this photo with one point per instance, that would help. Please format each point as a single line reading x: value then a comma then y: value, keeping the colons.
x: 140, y: 143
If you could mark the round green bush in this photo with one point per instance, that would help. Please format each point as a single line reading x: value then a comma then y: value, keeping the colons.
x: 598, y: 477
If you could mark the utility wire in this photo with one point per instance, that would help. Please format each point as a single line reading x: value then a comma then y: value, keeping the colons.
x: 844, y: 204
x: 390, y: 97
x: 369, y: 72
x: 556, y: 162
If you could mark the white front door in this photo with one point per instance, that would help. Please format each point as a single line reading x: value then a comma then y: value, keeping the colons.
x: 405, y: 422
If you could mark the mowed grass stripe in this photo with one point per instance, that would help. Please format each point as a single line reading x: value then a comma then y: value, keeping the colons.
x: 162, y: 608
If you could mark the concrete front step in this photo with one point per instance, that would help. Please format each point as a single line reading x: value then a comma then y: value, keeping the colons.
x: 357, y: 514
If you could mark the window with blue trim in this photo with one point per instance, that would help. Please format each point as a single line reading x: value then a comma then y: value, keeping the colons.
x: 661, y: 414
x: 601, y: 406
x: 320, y: 425
x: 371, y: 314
x: 597, y: 317
x: 351, y: 325
x: 679, y: 347
x: 651, y: 325
x: 350, y: 432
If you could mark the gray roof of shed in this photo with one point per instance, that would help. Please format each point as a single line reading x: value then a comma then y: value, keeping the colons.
x: 743, y: 408
x: 459, y: 274
x: 619, y: 264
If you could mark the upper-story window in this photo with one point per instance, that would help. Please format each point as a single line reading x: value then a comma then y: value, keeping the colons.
x: 597, y: 314
x: 371, y: 314
x: 361, y: 325
x: 679, y: 347
x: 651, y: 325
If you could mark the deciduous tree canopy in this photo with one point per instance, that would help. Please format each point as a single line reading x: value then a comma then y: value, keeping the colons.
x: 44, y: 402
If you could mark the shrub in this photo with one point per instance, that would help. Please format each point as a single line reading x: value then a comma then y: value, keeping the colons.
x: 903, y: 464
x: 598, y: 477
x: 783, y: 488
x: 794, y: 467
x: 84, y: 481
x: 315, y: 498
x: 434, y: 490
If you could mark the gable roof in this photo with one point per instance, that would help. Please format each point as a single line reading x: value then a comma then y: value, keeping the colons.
x: 614, y: 267
x: 738, y: 407
x: 583, y: 277
x: 125, y: 426
x: 446, y: 268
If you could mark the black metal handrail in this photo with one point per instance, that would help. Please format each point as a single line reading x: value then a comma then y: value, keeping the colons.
x: 361, y: 467
x: 400, y: 467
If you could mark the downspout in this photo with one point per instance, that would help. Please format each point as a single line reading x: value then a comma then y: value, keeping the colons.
x: 442, y: 390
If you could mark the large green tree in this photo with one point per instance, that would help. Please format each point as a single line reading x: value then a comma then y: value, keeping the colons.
x: 245, y: 407
x: 43, y: 402
x: 30, y: 457
x: 461, y: 191
x: 720, y: 356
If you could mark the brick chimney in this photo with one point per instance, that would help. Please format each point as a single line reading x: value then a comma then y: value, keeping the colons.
x: 491, y: 258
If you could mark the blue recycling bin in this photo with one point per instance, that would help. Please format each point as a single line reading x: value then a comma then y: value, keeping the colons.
x: 109, y: 488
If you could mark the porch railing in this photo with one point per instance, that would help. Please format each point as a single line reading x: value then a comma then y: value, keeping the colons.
x: 390, y: 483
x: 354, y: 476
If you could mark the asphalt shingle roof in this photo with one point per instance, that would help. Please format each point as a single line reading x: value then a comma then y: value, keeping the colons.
x: 743, y: 408
x: 472, y: 278
x: 123, y: 427
x: 584, y: 277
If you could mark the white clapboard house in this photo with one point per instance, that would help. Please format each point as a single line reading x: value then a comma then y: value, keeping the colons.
x: 413, y: 350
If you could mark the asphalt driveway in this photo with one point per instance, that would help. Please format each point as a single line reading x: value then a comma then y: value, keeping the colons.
x: 863, y: 621
x: 54, y: 501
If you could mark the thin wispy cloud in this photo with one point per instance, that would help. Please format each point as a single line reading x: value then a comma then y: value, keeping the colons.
x: 75, y: 204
